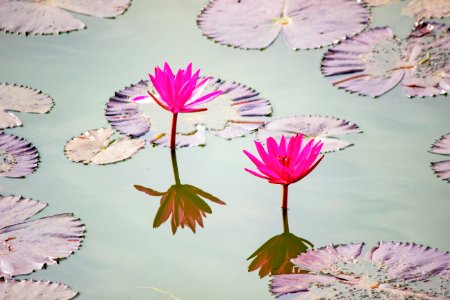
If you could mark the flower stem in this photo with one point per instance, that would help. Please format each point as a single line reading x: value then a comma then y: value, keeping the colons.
x: 285, y: 221
x: 176, y: 174
x: 285, y: 196
x: 173, y: 134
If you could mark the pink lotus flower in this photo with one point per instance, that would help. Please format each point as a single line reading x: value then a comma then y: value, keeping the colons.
x: 180, y: 93
x: 287, y: 162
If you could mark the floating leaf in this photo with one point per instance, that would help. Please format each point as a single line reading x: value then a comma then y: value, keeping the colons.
x: 184, y: 203
x: 18, y: 157
x: 47, y: 17
x: 36, y: 290
x: 320, y: 128
x: 236, y: 112
x: 375, y: 61
x: 304, y: 23
x: 98, y: 148
x: 390, y: 270
x: 26, y: 246
x: 426, y: 9
x: 21, y: 99
x: 442, y: 168
x: 377, y: 2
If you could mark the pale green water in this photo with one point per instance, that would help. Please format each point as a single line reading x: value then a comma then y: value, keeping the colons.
x: 382, y: 188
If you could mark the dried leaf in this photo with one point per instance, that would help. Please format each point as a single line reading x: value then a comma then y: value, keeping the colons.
x: 98, y: 148
x: 320, y: 128
x: 21, y: 99
x: 26, y: 246
x: 390, y: 270
x: 427, y: 9
x: 47, y: 17
x: 442, y: 168
x: 34, y: 290
x: 18, y: 157
x: 237, y: 112
x: 375, y: 61
x: 304, y: 23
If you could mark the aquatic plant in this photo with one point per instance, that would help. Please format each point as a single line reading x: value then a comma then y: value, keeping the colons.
x: 286, y: 162
x: 180, y: 93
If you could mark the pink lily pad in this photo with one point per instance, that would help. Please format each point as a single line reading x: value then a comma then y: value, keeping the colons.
x: 18, y: 157
x: 389, y: 270
x: 238, y: 111
x: 21, y: 99
x: 426, y: 9
x: 36, y: 290
x: 322, y: 128
x: 304, y: 23
x: 51, y: 17
x: 442, y: 168
x: 375, y: 61
x: 26, y: 245
x: 99, y: 148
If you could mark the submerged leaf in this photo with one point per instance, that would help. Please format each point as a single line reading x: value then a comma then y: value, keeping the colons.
x: 47, y: 17
x: 442, y: 168
x: 322, y: 128
x: 375, y: 61
x: 98, y: 148
x: 35, y: 290
x: 18, y: 157
x: 20, y: 99
x: 26, y: 246
x: 390, y: 270
x: 236, y: 112
x: 304, y: 23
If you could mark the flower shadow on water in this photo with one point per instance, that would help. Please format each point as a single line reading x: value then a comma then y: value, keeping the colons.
x: 274, y: 256
x: 185, y: 204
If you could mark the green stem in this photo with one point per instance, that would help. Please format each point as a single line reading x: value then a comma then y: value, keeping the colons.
x: 173, y: 156
x: 285, y: 221
x: 173, y: 134
x: 285, y: 196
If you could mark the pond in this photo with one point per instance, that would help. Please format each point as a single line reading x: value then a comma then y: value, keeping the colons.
x: 382, y: 188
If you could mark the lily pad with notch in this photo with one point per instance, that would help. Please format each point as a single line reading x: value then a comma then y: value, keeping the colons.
x: 36, y: 290
x: 18, y: 157
x: 375, y: 61
x: 52, y: 17
x: 304, y: 24
x: 20, y: 99
x: 27, y: 245
x: 322, y: 128
x: 389, y: 270
x: 238, y: 111
x: 98, y: 147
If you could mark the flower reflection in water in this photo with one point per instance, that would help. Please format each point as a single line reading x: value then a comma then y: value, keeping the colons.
x: 184, y: 203
x: 274, y: 256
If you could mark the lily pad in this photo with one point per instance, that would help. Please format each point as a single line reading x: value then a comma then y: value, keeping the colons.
x: 20, y: 99
x: 36, y: 290
x: 99, y: 148
x: 375, y: 61
x: 389, y: 270
x: 304, y: 23
x: 236, y: 112
x: 18, y: 157
x: 442, y: 168
x: 420, y: 9
x: 26, y: 245
x: 51, y: 17
x: 321, y: 128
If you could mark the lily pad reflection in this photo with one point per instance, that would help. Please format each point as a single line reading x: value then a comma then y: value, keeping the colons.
x: 185, y: 204
x: 274, y: 256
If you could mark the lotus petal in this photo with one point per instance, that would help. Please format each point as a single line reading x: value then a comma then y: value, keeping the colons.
x: 305, y: 24
x: 97, y: 147
x: 21, y: 99
x: 236, y: 112
x: 36, y: 290
x: 389, y: 270
x: 18, y: 157
x: 26, y: 246
x: 375, y: 61
x: 50, y: 17
x: 320, y: 128
x: 427, y: 9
